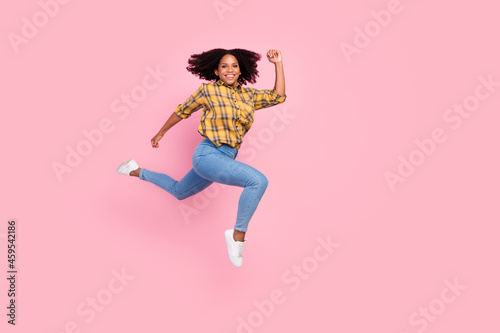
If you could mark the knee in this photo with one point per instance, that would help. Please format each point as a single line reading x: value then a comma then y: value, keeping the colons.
x: 188, y: 193
x: 181, y: 196
x: 176, y: 194
x: 262, y: 182
x: 265, y: 182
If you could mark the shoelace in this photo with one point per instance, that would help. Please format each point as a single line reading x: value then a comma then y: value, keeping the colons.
x: 240, y: 249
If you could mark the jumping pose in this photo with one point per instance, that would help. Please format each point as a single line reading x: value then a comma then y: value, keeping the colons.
x: 228, y: 114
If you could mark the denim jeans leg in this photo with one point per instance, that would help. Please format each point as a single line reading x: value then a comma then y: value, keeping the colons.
x: 189, y: 185
x: 218, y: 167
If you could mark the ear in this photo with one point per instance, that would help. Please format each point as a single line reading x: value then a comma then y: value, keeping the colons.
x: 216, y: 72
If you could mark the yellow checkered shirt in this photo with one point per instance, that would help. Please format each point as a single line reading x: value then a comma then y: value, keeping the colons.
x: 228, y: 113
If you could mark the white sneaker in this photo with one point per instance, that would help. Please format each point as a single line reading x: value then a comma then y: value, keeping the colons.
x: 126, y: 167
x: 234, y: 248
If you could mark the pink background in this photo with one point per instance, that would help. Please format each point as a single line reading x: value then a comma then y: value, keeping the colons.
x: 350, y: 118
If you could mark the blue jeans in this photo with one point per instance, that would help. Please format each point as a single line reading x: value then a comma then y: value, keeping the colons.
x: 216, y: 164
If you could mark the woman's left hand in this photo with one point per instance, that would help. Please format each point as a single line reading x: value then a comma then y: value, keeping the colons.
x: 274, y: 56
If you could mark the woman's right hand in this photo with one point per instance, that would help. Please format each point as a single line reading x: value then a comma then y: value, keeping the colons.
x: 156, y: 139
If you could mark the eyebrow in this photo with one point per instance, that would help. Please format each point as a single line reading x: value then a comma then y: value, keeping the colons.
x: 225, y: 63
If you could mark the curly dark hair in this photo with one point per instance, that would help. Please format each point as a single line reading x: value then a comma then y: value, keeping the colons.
x: 204, y: 64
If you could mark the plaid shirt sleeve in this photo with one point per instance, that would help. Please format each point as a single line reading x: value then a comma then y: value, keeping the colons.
x: 193, y: 103
x: 266, y: 98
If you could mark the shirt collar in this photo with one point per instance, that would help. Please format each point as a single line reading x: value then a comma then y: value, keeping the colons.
x: 220, y: 82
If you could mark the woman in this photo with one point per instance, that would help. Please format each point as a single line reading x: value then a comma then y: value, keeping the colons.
x: 228, y: 114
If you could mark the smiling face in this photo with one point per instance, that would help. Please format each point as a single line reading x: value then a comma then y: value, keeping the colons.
x: 228, y: 70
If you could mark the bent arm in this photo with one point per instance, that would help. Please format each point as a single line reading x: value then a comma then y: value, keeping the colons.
x: 182, y: 111
x: 279, y: 84
x: 171, y: 121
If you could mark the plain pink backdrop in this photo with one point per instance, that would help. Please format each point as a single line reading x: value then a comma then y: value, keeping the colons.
x: 325, y: 151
